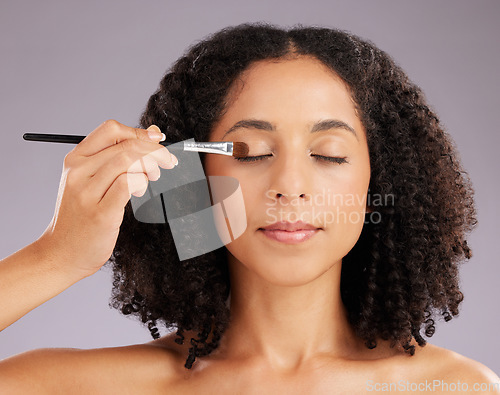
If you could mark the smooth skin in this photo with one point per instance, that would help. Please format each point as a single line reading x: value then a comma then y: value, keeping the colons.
x: 289, y: 332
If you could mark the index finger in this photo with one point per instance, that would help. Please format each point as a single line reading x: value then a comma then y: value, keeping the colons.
x: 109, y: 133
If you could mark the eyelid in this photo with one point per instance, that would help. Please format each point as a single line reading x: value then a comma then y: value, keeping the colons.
x: 251, y: 158
x: 332, y: 159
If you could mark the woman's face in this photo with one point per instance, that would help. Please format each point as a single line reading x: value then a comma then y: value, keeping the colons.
x: 283, y: 105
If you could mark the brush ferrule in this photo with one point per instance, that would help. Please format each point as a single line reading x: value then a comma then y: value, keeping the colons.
x: 217, y: 147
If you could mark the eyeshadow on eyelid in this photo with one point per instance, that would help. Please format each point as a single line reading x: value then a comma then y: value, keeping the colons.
x: 256, y: 145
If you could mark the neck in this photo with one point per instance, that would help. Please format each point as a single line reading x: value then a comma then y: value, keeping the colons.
x: 287, y: 326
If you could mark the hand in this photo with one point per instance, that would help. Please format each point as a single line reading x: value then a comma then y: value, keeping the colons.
x: 99, y: 176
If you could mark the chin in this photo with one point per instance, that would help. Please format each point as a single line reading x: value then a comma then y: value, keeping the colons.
x: 286, y: 270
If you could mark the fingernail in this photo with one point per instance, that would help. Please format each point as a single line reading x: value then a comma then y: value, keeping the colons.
x: 176, y: 160
x: 155, y: 134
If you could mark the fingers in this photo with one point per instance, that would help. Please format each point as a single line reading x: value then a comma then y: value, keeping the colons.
x: 116, y: 161
x: 118, y: 194
x: 112, y: 132
x: 99, y: 176
x: 125, y: 168
x: 137, y: 183
x: 127, y: 153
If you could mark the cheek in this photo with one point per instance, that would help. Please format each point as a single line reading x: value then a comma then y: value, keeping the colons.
x: 341, y: 203
x: 219, y: 165
x: 243, y: 210
x: 222, y: 165
x: 350, y: 183
x: 212, y: 165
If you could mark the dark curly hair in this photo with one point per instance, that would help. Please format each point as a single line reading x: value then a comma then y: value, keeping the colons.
x: 402, y: 270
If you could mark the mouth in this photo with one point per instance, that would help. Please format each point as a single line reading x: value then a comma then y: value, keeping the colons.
x: 294, y: 237
x: 290, y: 233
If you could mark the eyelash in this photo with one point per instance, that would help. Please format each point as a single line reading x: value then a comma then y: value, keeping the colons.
x: 338, y: 160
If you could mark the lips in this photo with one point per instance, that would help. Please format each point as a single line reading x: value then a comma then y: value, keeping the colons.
x: 290, y: 232
x: 290, y: 226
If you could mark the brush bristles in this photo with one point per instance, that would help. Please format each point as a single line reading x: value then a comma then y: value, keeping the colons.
x: 240, y: 150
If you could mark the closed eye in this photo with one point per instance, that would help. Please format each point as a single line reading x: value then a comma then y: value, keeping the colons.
x: 252, y: 158
x: 332, y: 159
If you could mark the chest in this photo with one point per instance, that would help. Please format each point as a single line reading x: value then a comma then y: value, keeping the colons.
x: 231, y: 380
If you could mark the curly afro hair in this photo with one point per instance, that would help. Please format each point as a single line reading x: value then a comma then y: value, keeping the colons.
x: 402, y: 271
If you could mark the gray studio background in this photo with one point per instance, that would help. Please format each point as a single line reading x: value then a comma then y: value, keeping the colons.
x: 67, y: 66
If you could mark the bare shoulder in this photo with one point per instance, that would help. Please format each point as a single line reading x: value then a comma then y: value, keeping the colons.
x: 142, y: 368
x: 448, y: 366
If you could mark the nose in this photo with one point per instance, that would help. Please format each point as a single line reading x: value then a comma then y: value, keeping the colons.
x: 291, y: 178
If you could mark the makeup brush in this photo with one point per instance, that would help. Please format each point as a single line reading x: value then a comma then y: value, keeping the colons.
x: 230, y: 148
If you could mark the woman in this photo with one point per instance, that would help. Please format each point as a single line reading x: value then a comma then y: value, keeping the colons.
x: 357, y: 210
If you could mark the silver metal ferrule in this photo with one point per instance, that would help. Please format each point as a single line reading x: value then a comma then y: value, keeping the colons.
x: 215, y: 147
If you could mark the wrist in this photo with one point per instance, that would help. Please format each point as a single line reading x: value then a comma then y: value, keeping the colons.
x: 51, y: 259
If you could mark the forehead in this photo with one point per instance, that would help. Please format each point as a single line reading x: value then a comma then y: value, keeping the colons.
x: 301, y: 90
x: 304, y: 73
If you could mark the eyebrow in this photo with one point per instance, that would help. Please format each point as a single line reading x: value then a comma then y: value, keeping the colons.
x: 326, y: 124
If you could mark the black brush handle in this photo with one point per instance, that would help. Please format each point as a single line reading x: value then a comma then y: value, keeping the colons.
x: 60, y: 138
x: 53, y: 138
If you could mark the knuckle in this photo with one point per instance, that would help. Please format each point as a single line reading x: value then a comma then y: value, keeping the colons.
x: 73, y: 178
x: 111, y: 124
x: 69, y: 159
x: 112, y: 127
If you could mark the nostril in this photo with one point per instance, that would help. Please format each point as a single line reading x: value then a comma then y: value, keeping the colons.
x: 302, y: 195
